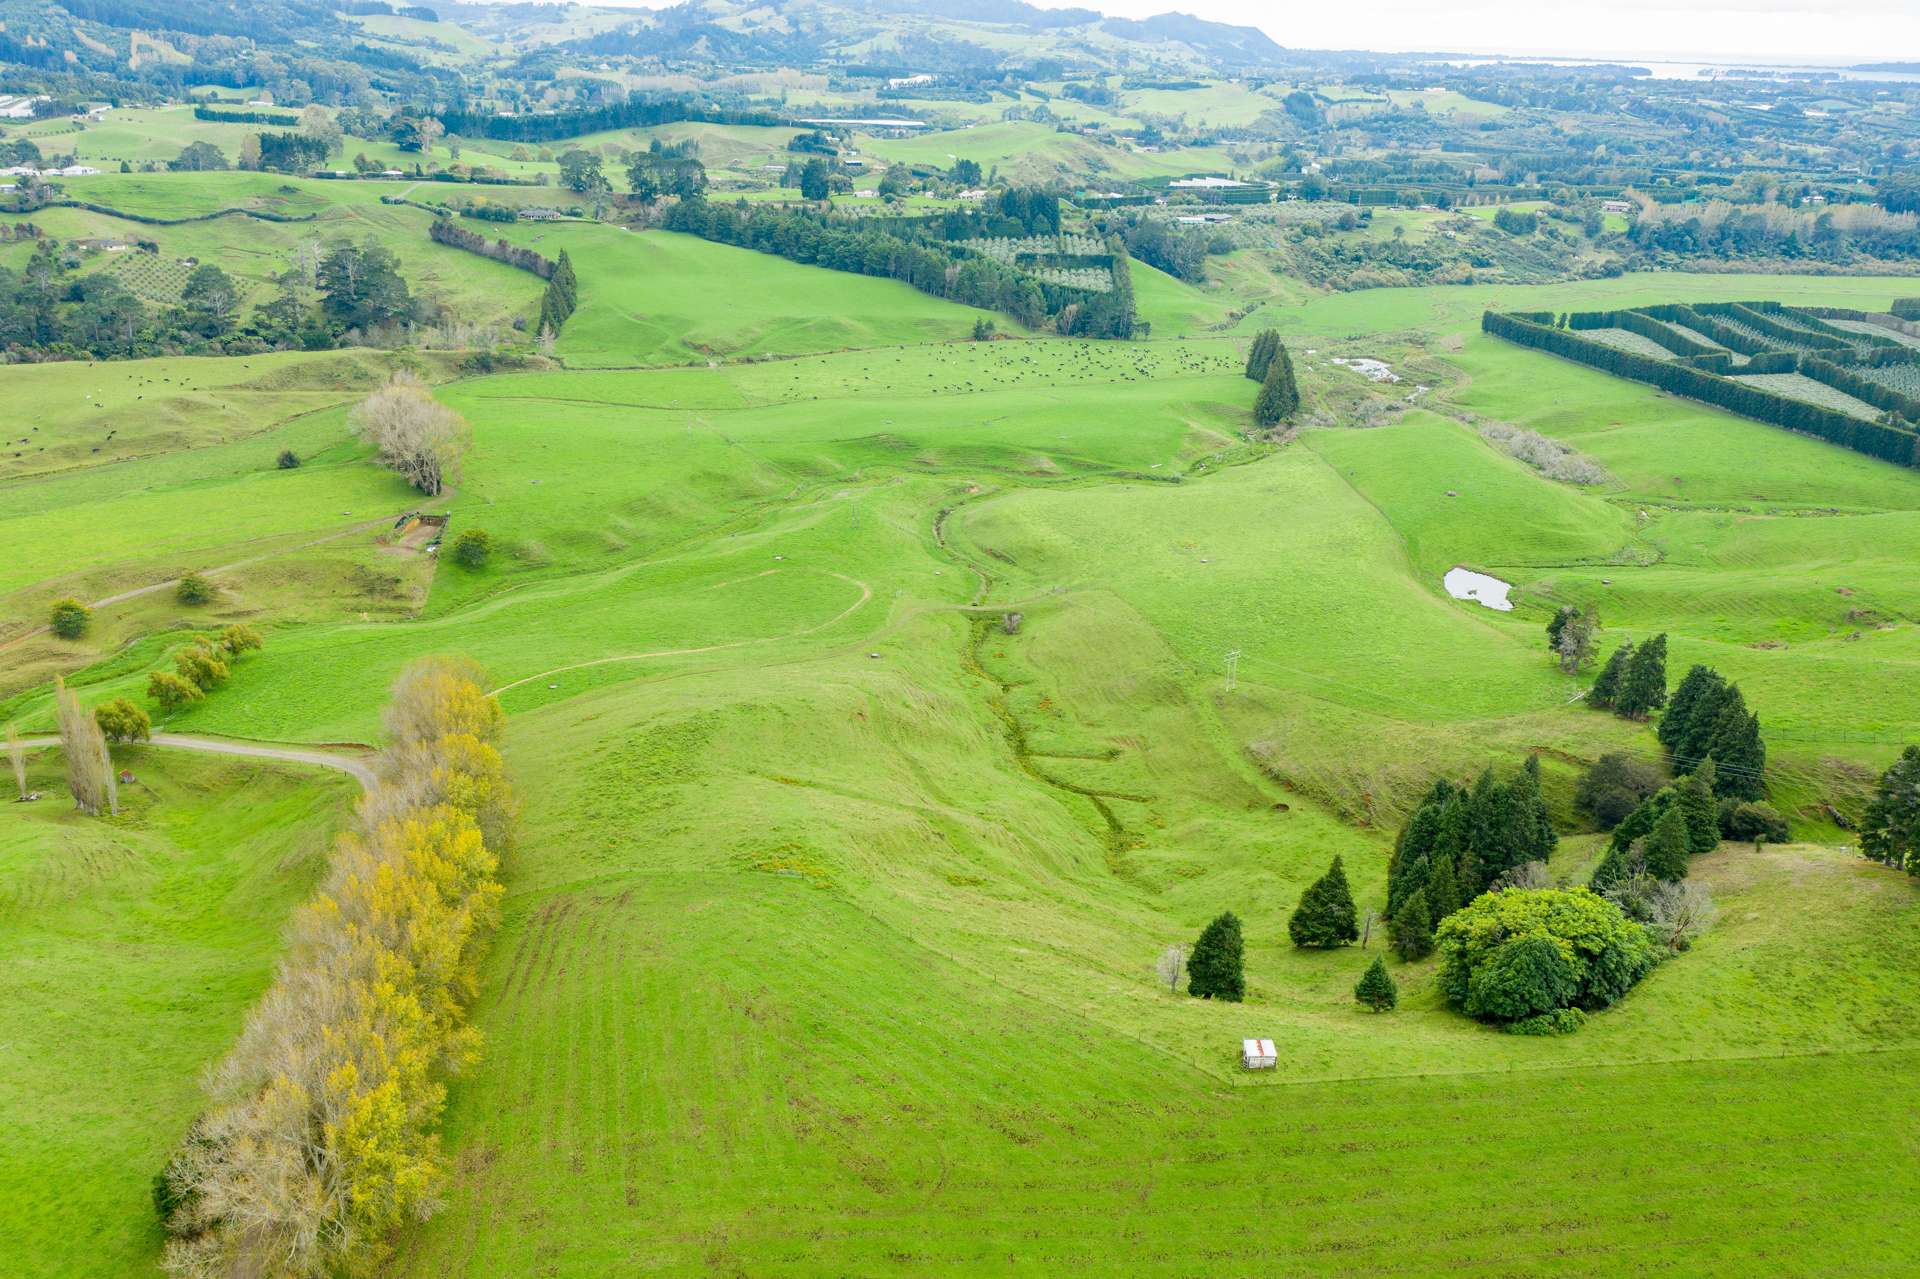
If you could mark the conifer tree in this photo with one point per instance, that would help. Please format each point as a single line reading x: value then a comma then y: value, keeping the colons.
x: 1325, y: 916
x: 565, y: 283
x: 1643, y: 689
x: 1443, y: 888
x: 1410, y: 932
x: 1376, y: 989
x: 1697, y: 805
x: 1260, y: 358
x: 1699, y: 681
x: 1216, y: 968
x: 1639, y: 823
x: 1693, y: 735
x: 1279, y: 397
x: 1666, y: 848
x: 1606, y: 685
x: 1737, y: 750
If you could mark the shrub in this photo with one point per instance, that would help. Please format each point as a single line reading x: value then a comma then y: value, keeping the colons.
x: 1561, y: 1021
x: 121, y: 721
x: 171, y: 691
x: 1674, y: 914
x: 1512, y: 955
x: 200, y: 666
x: 1376, y: 989
x: 1325, y: 916
x: 194, y: 589
x: 240, y: 638
x: 1215, y: 969
x: 472, y: 548
x: 1757, y: 822
x: 288, y: 460
x: 69, y: 618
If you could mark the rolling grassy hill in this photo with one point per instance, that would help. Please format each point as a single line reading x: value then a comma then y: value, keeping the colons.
x: 829, y: 929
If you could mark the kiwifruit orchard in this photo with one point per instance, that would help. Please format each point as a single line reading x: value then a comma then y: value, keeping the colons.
x: 1086, y: 709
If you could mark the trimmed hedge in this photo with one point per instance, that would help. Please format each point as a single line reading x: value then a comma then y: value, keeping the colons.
x: 1889, y: 442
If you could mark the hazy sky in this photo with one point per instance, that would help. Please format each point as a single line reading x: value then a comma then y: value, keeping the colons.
x: 1682, y: 30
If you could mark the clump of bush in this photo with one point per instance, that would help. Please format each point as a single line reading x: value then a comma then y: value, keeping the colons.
x: 1616, y: 785
x: 202, y: 666
x: 122, y: 721
x: 1512, y: 957
x: 194, y: 589
x: 1548, y: 456
x: 69, y: 618
x: 472, y: 548
x: 288, y: 460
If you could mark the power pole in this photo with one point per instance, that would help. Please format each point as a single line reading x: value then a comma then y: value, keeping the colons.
x: 1233, y: 668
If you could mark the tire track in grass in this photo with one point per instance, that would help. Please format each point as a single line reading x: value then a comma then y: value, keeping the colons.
x: 866, y: 593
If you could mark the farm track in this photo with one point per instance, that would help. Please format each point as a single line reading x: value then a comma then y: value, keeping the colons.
x: 355, y: 766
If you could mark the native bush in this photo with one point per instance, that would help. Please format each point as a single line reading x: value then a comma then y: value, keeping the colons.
x: 1516, y: 954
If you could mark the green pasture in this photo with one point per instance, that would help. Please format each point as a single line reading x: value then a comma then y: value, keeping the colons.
x: 135, y: 947
x: 658, y: 297
x: 830, y: 926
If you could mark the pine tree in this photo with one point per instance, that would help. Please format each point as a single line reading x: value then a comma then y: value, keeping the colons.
x: 1410, y: 932
x: 1376, y: 989
x: 1606, y: 686
x: 1542, y: 838
x: 1279, y: 397
x: 1260, y: 358
x: 1643, y: 689
x: 1407, y: 870
x: 1639, y: 822
x: 565, y: 283
x: 1666, y: 848
x: 1443, y: 888
x: 1325, y: 916
x: 1700, y: 681
x: 1738, y: 752
x: 1216, y: 968
x: 1693, y: 737
x: 1697, y: 805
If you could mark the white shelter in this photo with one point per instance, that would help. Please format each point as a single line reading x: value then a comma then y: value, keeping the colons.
x: 1259, y: 1054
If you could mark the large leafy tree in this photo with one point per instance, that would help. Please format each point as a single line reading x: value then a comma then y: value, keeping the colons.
x: 1890, y: 830
x: 1524, y: 952
x: 361, y: 286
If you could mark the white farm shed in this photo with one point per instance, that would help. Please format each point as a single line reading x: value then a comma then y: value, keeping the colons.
x: 1259, y: 1054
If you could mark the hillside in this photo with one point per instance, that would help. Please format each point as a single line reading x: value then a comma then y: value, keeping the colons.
x: 756, y: 640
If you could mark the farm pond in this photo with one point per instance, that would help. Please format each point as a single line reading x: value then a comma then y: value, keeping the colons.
x: 1490, y: 592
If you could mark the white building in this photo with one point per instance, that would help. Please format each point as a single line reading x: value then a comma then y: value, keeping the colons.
x: 18, y: 107
x: 1206, y: 184
x: 1259, y: 1054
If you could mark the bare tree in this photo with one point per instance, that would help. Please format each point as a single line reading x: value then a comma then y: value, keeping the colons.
x: 17, y: 756
x: 89, y: 766
x: 1171, y: 965
x: 417, y: 436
